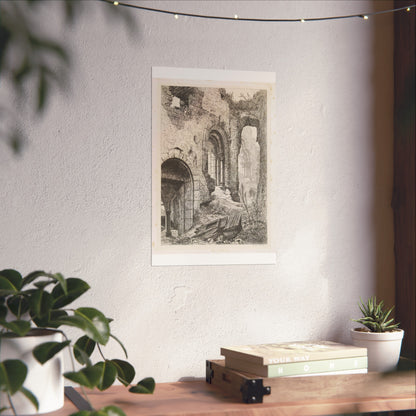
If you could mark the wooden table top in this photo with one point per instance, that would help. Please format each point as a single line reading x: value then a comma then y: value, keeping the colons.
x: 198, y: 398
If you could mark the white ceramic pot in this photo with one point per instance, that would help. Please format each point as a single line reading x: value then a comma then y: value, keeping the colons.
x: 383, y: 348
x: 44, y: 381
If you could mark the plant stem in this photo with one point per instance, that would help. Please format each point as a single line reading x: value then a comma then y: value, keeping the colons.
x: 11, y: 404
x: 101, y: 353
x: 73, y: 369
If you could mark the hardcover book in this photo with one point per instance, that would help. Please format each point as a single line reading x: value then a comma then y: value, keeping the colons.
x: 292, y: 352
x: 299, y: 368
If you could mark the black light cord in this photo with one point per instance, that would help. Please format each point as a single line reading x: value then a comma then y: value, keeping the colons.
x: 249, y: 19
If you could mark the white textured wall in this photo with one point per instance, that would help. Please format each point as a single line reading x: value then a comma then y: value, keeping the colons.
x: 79, y: 198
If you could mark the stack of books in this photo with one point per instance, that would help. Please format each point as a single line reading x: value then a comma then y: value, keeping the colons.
x: 296, y: 359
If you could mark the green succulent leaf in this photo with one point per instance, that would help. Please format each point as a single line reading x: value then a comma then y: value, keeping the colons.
x: 108, y: 374
x: 75, y: 288
x: 145, y: 386
x: 45, y: 351
x: 83, y: 348
x: 19, y: 327
x: 88, y: 376
x: 125, y: 371
x: 12, y: 375
x: 375, y: 318
x: 29, y: 395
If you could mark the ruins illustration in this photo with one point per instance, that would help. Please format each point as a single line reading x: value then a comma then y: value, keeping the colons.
x: 213, y: 147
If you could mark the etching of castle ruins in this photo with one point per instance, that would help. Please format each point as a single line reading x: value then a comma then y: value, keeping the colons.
x: 213, y: 172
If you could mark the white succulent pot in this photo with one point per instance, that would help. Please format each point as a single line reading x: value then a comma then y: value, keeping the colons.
x: 44, y: 381
x: 383, y: 348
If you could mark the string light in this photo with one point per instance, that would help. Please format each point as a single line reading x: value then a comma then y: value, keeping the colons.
x: 250, y: 19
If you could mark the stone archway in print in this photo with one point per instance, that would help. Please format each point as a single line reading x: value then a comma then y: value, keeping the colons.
x: 177, y: 194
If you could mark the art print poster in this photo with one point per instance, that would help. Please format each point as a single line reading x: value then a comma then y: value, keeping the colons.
x: 211, y: 133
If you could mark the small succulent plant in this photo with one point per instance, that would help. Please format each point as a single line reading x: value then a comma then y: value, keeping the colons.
x: 375, y: 318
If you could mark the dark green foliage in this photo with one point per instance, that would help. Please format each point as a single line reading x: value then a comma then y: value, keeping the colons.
x: 40, y: 300
x: 42, y: 63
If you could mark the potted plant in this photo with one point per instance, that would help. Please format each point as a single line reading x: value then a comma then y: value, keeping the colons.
x: 34, y: 310
x: 380, y: 335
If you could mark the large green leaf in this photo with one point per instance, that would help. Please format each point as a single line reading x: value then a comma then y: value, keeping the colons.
x: 75, y: 288
x: 7, y: 287
x: 125, y: 371
x: 12, y: 375
x: 98, y: 328
x: 3, y: 312
x: 92, y: 322
x: 83, y: 413
x: 145, y: 386
x: 110, y: 411
x: 105, y: 411
x: 18, y: 327
x: 83, y: 349
x: 108, y: 374
x: 31, y: 277
x: 45, y: 351
x: 40, y: 304
x: 13, y: 276
x: 53, y: 277
x: 18, y: 305
x: 54, y: 316
x: 75, y: 321
x: 88, y: 376
x: 29, y: 395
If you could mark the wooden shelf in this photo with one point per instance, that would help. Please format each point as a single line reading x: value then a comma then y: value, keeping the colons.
x: 308, y: 396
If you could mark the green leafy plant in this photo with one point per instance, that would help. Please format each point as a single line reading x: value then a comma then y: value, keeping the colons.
x: 41, y: 300
x: 375, y: 317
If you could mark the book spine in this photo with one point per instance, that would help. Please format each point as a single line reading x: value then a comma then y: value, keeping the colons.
x: 309, y: 367
x: 313, y: 367
x: 260, y: 358
x: 334, y: 373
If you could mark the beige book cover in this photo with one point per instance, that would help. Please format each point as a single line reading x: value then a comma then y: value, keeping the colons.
x: 280, y: 353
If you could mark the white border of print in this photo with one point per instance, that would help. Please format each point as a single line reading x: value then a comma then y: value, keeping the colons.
x: 206, y: 255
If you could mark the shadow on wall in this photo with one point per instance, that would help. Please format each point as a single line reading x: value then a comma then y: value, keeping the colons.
x: 382, y: 142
